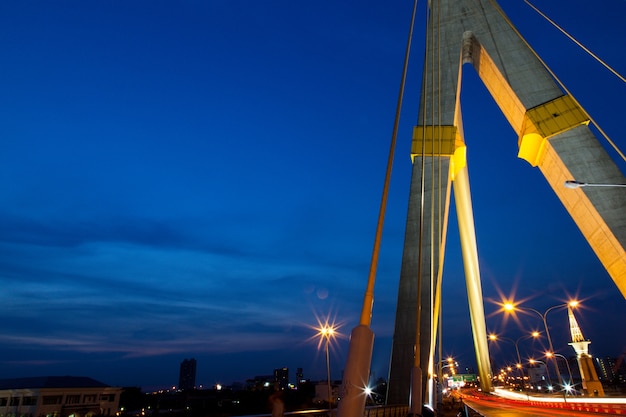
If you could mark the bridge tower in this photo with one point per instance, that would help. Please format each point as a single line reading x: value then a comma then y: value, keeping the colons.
x: 591, y: 384
x: 553, y: 136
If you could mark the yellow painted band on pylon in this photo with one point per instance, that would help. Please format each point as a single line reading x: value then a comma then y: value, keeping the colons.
x: 434, y: 141
x: 440, y: 141
x: 547, y: 120
x: 458, y: 161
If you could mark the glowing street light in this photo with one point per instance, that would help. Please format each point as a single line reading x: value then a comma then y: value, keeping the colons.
x: 442, y: 375
x: 512, y: 307
x: 569, y: 370
x: 449, y: 363
x: 578, y: 184
x: 326, y: 332
x: 494, y: 337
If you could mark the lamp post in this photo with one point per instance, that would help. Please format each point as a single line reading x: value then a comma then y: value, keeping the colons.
x: 450, y: 363
x: 494, y: 337
x: 327, y: 332
x: 578, y: 184
x: 569, y: 370
x: 521, y: 368
x: 544, y: 317
x: 451, y: 366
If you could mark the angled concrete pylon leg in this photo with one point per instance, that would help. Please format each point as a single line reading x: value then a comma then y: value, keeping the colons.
x: 467, y: 234
x: 552, y: 135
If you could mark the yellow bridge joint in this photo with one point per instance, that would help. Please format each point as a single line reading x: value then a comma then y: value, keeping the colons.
x: 547, y: 120
x: 439, y: 141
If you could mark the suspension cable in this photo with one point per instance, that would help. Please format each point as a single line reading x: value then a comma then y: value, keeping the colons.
x: 607, y: 66
x: 565, y: 89
x: 366, y: 312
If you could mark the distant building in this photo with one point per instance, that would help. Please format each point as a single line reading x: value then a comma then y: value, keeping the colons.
x: 300, y: 376
x: 321, y: 392
x: 187, y: 378
x: 281, y: 378
x: 260, y: 383
x: 538, y: 375
x: 57, y: 396
x: 612, y: 370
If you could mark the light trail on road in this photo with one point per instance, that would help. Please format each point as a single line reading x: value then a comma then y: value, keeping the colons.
x: 505, y: 409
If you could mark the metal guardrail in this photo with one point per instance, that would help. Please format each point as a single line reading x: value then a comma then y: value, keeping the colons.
x: 374, y: 411
x: 387, y: 411
x: 469, y: 412
x: 462, y: 409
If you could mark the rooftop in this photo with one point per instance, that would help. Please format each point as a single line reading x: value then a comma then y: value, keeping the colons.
x: 51, y: 382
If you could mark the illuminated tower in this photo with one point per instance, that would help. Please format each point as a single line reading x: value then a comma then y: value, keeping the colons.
x: 591, y: 384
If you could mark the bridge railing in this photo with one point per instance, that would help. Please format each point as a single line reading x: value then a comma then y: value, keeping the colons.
x: 387, y: 411
x: 374, y: 411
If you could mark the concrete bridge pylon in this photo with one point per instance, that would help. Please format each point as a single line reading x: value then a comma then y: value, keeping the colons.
x: 553, y: 136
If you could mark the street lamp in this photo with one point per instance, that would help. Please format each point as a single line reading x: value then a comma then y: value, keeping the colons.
x: 573, y: 303
x: 494, y: 337
x: 326, y: 332
x: 569, y: 370
x: 451, y: 366
x: 578, y: 184
x: 450, y: 363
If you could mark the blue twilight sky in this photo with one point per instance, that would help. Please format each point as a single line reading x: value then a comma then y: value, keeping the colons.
x: 201, y: 178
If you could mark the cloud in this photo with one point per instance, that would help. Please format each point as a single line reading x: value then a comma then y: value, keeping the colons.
x: 133, y: 300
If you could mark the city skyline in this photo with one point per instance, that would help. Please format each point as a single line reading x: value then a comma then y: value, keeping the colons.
x: 203, y: 180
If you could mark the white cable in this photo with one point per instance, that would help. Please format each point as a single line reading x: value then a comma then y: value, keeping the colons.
x: 576, y: 42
